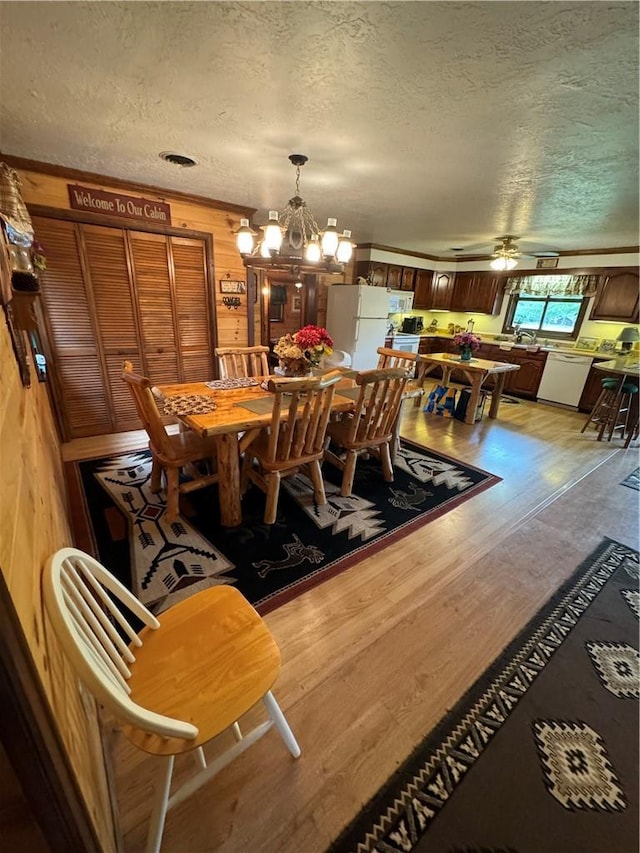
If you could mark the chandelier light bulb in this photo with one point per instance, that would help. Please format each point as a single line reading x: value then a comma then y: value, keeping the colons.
x: 345, y: 247
x: 273, y: 232
x: 265, y: 251
x: 244, y: 238
x: 313, y: 251
x: 330, y: 238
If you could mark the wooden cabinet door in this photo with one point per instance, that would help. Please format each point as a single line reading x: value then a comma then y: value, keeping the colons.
x: 441, y: 290
x: 374, y: 271
x: 422, y: 289
x: 408, y: 278
x: 617, y: 297
x: 192, y: 309
x: 394, y: 277
x: 477, y: 291
x: 591, y: 390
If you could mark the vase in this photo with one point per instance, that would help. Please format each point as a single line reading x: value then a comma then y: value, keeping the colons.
x: 465, y: 354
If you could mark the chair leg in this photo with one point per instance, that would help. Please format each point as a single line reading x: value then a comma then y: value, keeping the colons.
x: 173, y: 493
x: 156, y: 476
x: 273, y: 490
x: 315, y: 472
x: 349, y: 473
x: 280, y: 722
x: 159, y: 812
x: 200, y: 757
x: 385, y: 460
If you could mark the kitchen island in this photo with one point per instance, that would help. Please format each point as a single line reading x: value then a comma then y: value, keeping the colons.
x: 475, y: 371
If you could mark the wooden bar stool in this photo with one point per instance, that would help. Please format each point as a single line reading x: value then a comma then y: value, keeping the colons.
x: 613, y: 410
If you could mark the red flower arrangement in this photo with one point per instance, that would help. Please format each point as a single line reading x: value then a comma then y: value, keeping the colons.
x: 304, y: 349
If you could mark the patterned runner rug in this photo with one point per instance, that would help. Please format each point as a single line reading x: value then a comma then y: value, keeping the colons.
x: 118, y: 518
x: 541, y: 755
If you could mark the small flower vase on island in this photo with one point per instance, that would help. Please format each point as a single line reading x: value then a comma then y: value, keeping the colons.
x: 299, y: 353
x: 467, y: 342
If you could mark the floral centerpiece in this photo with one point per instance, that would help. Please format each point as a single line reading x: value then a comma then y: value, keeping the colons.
x: 300, y: 352
x: 467, y: 342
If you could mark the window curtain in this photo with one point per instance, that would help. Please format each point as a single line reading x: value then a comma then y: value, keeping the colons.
x: 553, y: 285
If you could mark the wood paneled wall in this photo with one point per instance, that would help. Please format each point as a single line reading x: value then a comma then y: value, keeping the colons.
x: 51, y: 191
x: 33, y: 524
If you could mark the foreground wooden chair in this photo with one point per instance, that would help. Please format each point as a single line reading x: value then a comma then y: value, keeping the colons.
x: 242, y: 362
x: 294, y: 440
x: 170, y: 453
x: 407, y: 361
x: 371, y: 426
x: 180, y: 682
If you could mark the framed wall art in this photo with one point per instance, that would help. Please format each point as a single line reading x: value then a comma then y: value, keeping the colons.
x: 227, y: 285
x: 607, y: 346
x: 587, y: 343
x: 547, y: 263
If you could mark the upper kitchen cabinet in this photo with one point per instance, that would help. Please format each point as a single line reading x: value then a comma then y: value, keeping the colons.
x: 422, y: 289
x: 442, y: 290
x: 408, y: 278
x: 617, y: 296
x: 375, y: 272
x: 394, y: 277
x: 481, y: 292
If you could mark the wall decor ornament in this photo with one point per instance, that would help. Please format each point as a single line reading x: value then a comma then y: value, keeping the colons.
x: 229, y: 286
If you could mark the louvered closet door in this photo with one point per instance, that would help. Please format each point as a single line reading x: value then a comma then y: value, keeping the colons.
x: 83, y: 397
x: 150, y: 255
x: 108, y: 277
x: 192, y: 312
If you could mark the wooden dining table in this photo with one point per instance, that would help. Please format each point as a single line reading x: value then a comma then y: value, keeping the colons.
x: 234, y: 427
x: 475, y: 371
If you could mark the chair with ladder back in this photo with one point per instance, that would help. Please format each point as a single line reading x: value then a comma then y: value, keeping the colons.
x: 242, y: 362
x: 170, y: 453
x: 407, y: 360
x: 370, y: 428
x: 294, y: 440
x: 176, y: 683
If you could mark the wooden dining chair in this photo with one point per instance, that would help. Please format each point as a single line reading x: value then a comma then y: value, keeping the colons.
x: 294, y: 440
x: 370, y: 428
x: 242, y: 362
x: 180, y: 681
x: 406, y: 360
x: 170, y: 453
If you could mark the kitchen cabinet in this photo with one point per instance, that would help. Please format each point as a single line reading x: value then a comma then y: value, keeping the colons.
x: 591, y: 390
x: 408, y: 278
x: 394, y: 277
x: 617, y: 297
x: 442, y: 290
x: 524, y: 382
x: 481, y: 292
x: 422, y: 289
x: 373, y: 271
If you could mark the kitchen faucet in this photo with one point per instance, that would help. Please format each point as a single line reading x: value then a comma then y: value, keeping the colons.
x: 520, y: 333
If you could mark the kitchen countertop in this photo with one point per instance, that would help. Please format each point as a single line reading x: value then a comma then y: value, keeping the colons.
x: 507, y: 345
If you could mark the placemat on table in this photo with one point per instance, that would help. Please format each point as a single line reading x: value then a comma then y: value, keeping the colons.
x: 188, y: 404
x: 229, y: 384
x: 259, y: 406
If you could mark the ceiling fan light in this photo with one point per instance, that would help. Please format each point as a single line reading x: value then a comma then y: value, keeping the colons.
x: 330, y: 238
x: 510, y: 263
x: 499, y: 264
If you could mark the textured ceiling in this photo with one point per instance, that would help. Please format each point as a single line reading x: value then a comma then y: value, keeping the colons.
x: 427, y: 125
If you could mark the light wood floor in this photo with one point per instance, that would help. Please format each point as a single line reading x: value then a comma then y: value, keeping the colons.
x: 374, y: 657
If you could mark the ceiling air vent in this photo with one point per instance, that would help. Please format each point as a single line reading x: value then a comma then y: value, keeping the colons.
x: 178, y: 159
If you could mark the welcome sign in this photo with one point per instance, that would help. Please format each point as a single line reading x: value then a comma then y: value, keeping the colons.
x: 116, y: 204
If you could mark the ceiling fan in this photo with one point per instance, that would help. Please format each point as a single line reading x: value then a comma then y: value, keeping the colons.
x: 506, y: 252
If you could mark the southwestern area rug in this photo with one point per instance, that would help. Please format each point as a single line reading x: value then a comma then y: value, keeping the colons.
x: 163, y: 562
x: 541, y: 754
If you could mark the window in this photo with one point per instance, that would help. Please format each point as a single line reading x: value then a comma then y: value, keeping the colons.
x: 549, y: 316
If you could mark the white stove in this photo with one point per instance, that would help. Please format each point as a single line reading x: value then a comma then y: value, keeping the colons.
x: 405, y: 342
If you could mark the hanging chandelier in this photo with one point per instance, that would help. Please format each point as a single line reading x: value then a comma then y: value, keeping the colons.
x: 292, y: 240
x: 505, y: 255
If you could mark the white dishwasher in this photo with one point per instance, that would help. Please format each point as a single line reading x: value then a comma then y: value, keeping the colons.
x: 564, y: 377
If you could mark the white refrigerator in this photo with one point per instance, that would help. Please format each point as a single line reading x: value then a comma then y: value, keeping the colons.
x: 357, y: 320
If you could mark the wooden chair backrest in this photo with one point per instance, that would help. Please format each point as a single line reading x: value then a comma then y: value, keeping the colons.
x: 241, y: 362
x: 147, y: 410
x: 308, y: 407
x: 397, y: 358
x: 81, y: 597
x: 377, y: 406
